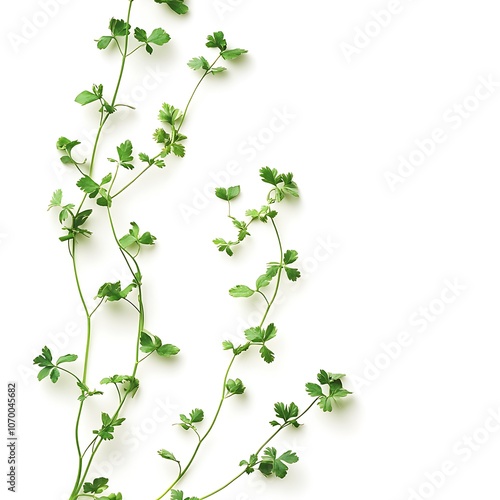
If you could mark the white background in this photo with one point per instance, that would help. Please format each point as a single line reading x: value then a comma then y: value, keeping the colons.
x: 371, y: 256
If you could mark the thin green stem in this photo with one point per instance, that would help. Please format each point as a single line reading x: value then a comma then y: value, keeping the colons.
x: 229, y: 483
x: 194, y: 92
x: 266, y: 442
x: 226, y: 376
x: 177, y: 131
x: 278, y: 281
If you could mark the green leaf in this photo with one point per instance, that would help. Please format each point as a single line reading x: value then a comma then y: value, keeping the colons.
x: 178, y: 6
x: 229, y: 55
x: 235, y: 387
x: 290, y: 187
x: 104, y: 42
x: 119, y: 27
x: 56, y: 199
x: 140, y: 35
x: 270, y: 332
x: 217, y: 40
x: 169, y: 114
x: 227, y: 345
x: 241, y: 291
x: 98, y: 485
x: 88, y: 185
x: 167, y: 455
x: 314, y: 390
x: 270, y: 176
x: 147, y: 239
x: 54, y: 375
x: 113, y: 291
x: 290, y: 257
x: 197, y: 415
x: 68, y: 358
x: 218, y: 69
x: 44, y: 372
x: 199, y: 63
x: 125, y: 154
x: 168, y: 350
x: 179, y: 150
x: 286, y: 412
x: 224, y: 246
x: 127, y: 240
x: 176, y: 494
x: 272, y: 464
x: 227, y: 194
x: 149, y: 343
x: 292, y: 273
x: 159, y: 37
x: 266, y: 354
x: 86, y: 97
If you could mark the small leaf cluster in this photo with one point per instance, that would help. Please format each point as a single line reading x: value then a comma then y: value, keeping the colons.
x: 216, y: 41
x: 49, y: 368
x: 287, y: 413
x: 195, y: 417
x: 283, y: 186
x: 106, y: 432
x: 99, y: 485
x: 179, y: 495
x: 151, y: 343
x: 66, y: 212
x: 334, y: 389
x: 178, y: 6
x: 119, y: 29
x: 270, y: 463
x: 129, y: 383
x: 133, y: 237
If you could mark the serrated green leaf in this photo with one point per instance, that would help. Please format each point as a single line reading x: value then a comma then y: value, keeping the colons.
x: 197, y: 63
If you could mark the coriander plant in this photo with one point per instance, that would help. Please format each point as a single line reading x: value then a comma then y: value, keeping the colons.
x: 99, y: 192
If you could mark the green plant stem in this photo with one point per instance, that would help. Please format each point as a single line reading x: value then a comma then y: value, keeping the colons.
x: 145, y: 169
x: 226, y: 376
x: 273, y: 435
x: 88, y: 315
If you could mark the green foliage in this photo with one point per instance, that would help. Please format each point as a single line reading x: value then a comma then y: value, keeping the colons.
x: 98, y: 485
x: 179, y: 495
x: 113, y: 292
x: 272, y: 464
x: 178, y: 6
x: 195, y: 417
x: 151, y: 343
x: 234, y: 387
x: 157, y: 37
x: 167, y: 455
x: 334, y: 392
x: 106, y: 432
x: 133, y: 237
x: 49, y: 367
